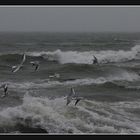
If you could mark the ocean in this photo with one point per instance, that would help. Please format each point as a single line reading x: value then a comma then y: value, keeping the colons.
x: 37, y: 103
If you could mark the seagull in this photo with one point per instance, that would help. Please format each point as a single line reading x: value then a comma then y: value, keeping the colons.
x: 18, y: 67
x: 5, y: 87
x: 73, y: 96
x: 56, y: 75
x: 95, y: 61
x: 36, y: 64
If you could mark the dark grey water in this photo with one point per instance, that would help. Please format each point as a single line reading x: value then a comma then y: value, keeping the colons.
x: 111, y: 89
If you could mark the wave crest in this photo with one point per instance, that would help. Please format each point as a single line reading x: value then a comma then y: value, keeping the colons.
x: 55, y: 117
x: 104, y: 56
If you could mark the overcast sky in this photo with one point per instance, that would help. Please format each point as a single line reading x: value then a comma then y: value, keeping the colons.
x: 65, y: 19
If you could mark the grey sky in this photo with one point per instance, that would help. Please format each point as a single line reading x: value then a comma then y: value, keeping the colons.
x: 70, y: 19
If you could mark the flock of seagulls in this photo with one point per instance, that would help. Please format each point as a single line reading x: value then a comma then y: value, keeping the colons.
x: 70, y: 97
x: 20, y: 66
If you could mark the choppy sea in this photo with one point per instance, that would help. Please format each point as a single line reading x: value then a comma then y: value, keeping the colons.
x: 36, y: 103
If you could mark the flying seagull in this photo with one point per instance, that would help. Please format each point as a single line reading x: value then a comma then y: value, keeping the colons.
x: 95, y: 61
x: 18, y: 67
x: 5, y: 87
x: 35, y: 64
x: 70, y: 96
x: 56, y: 75
x: 73, y: 96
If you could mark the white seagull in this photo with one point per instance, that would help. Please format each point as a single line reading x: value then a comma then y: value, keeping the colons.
x: 56, y: 75
x: 73, y: 96
x: 35, y: 64
x: 70, y: 96
x: 18, y: 67
x: 5, y: 87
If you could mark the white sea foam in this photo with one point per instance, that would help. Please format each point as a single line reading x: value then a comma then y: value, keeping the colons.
x: 103, y: 56
x: 55, y: 117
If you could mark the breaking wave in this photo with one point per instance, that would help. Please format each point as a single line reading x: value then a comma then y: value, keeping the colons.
x: 53, y: 116
x: 105, y: 56
x: 63, y: 57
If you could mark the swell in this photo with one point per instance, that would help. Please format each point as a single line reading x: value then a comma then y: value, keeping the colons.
x: 105, y: 56
x: 46, y: 83
x: 64, y: 57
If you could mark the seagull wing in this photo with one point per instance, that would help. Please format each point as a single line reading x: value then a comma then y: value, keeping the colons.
x: 17, y: 68
x: 70, y: 96
x: 73, y: 92
x: 95, y: 59
x: 14, y: 67
x: 68, y: 100
x: 4, y: 86
x: 23, y: 60
x: 77, y: 101
x: 36, y: 67
x: 5, y: 89
x: 32, y: 62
